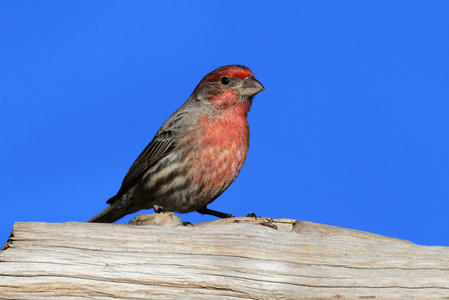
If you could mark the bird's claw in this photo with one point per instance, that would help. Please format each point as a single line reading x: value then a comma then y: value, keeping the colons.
x: 251, y: 215
x: 158, y: 209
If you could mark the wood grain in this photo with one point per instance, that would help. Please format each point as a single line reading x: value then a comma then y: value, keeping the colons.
x: 237, y: 258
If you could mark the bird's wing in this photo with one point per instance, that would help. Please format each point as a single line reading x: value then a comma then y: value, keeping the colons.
x: 161, y: 145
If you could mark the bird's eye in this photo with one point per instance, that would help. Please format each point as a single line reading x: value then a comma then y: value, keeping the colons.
x: 225, y: 80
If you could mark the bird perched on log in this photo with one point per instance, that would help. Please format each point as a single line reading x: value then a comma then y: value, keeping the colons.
x: 196, y: 154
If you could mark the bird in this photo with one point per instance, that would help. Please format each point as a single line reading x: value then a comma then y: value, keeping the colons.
x: 197, y: 152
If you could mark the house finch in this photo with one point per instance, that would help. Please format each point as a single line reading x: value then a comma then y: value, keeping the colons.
x: 196, y: 154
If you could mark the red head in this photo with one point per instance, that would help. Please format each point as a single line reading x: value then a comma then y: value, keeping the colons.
x: 227, y: 86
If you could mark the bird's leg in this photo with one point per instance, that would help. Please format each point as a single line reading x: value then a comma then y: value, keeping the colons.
x: 206, y: 211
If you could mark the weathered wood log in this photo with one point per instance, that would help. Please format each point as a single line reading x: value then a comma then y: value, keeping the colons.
x: 244, y: 258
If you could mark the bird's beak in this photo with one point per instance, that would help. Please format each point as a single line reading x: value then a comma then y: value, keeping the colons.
x: 250, y: 87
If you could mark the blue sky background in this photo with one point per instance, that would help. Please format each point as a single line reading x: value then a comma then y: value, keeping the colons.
x: 351, y: 131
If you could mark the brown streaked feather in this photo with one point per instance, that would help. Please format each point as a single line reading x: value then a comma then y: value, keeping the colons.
x: 161, y: 145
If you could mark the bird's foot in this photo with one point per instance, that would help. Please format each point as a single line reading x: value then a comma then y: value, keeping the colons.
x: 251, y: 215
x: 158, y: 208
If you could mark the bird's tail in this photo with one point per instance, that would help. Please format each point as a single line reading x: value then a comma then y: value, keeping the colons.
x: 110, y: 214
